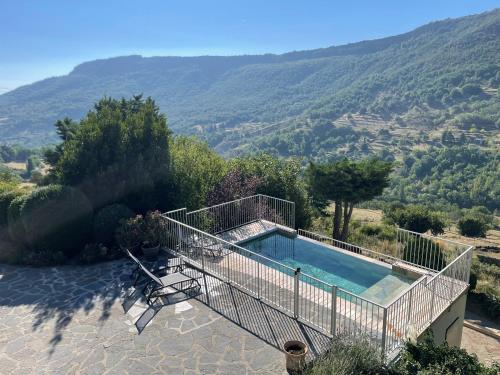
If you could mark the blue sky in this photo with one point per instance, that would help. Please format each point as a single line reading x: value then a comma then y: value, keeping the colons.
x: 39, y: 39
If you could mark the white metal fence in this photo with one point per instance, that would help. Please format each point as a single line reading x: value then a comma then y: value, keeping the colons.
x: 445, y: 266
x: 226, y: 216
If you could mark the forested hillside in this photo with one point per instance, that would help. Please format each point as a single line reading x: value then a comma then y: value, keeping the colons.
x: 444, y: 74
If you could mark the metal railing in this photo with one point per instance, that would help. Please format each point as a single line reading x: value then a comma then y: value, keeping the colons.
x: 348, y: 246
x: 444, y: 266
x: 226, y: 216
x: 261, y: 276
x: 327, y: 307
x: 426, y: 251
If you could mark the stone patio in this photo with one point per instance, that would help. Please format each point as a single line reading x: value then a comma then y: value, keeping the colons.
x: 72, y: 320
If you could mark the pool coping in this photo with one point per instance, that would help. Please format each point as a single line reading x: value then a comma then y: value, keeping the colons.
x: 349, y: 253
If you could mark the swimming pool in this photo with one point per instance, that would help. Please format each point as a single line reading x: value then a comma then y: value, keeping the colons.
x: 373, y: 281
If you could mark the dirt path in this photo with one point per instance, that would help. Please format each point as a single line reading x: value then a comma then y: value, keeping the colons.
x: 485, y: 347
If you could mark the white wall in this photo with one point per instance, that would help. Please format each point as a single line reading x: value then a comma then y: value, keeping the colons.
x: 448, y: 327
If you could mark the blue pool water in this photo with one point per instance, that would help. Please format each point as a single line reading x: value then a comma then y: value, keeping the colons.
x: 333, y: 267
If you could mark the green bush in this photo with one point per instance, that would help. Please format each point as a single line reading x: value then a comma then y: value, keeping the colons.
x: 93, y: 253
x: 16, y: 228
x: 382, y: 232
x: 41, y: 258
x: 415, y: 218
x: 348, y: 355
x: 471, y: 226
x: 6, y: 198
x: 107, y: 220
x: 472, y: 280
x: 370, y: 230
x: 488, y: 304
x: 56, y: 218
x: 424, y: 252
x: 425, y: 357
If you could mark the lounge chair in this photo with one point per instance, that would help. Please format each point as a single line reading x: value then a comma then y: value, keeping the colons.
x: 172, y: 264
x: 157, y: 286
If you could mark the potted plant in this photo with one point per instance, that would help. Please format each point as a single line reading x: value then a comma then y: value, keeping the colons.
x: 151, y: 234
x: 295, y: 352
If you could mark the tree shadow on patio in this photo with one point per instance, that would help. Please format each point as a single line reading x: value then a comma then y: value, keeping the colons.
x: 58, y: 295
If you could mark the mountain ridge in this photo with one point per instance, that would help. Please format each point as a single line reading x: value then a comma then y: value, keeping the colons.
x: 203, y: 91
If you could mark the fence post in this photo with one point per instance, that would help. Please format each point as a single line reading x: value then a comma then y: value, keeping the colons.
x: 333, y: 328
x: 229, y: 265
x: 410, y: 296
x: 202, y: 255
x: 384, y: 332
x: 431, y: 311
x: 258, y: 280
x: 296, y: 294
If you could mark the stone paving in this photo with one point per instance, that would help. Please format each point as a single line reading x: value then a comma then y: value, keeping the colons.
x: 71, y: 320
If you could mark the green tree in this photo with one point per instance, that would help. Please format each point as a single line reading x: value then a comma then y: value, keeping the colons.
x: 196, y: 169
x: 118, y: 153
x: 415, y: 218
x: 280, y: 178
x: 475, y: 222
x: 66, y: 130
x: 347, y: 182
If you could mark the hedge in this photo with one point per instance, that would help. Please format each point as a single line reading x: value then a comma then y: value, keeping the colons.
x: 107, y: 220
x: 56, y: 218
x: 6, y: 198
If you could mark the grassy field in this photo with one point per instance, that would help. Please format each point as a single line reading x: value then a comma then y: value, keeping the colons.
x: 375, y: 216
x: 17, y: 166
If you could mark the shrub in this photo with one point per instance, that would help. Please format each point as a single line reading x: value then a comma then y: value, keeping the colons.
x: 41, y: 258
x: 430, y: 256
x: 8, y: 252
x: 140, y: 230
x: 107, y: 220
x: 348, y: 355
x: 471, y: 226
x: 487, y: 303
x: 370, y: 230
x: 16, y: 228
x: 425, y: 357
x: 6, y: 198
x: 415, y: 218
x: 93, y: 253
x: 472, y: 280
x: 382, y: 232
x: 56, y: 218
x: 152, y: 229
x: 129, y: 233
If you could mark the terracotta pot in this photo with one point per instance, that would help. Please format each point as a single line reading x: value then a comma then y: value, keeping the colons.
x: 150, y: 252
x: 295, y: 352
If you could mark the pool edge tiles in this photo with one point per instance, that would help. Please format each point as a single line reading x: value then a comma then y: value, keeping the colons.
x: 348, y: 253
